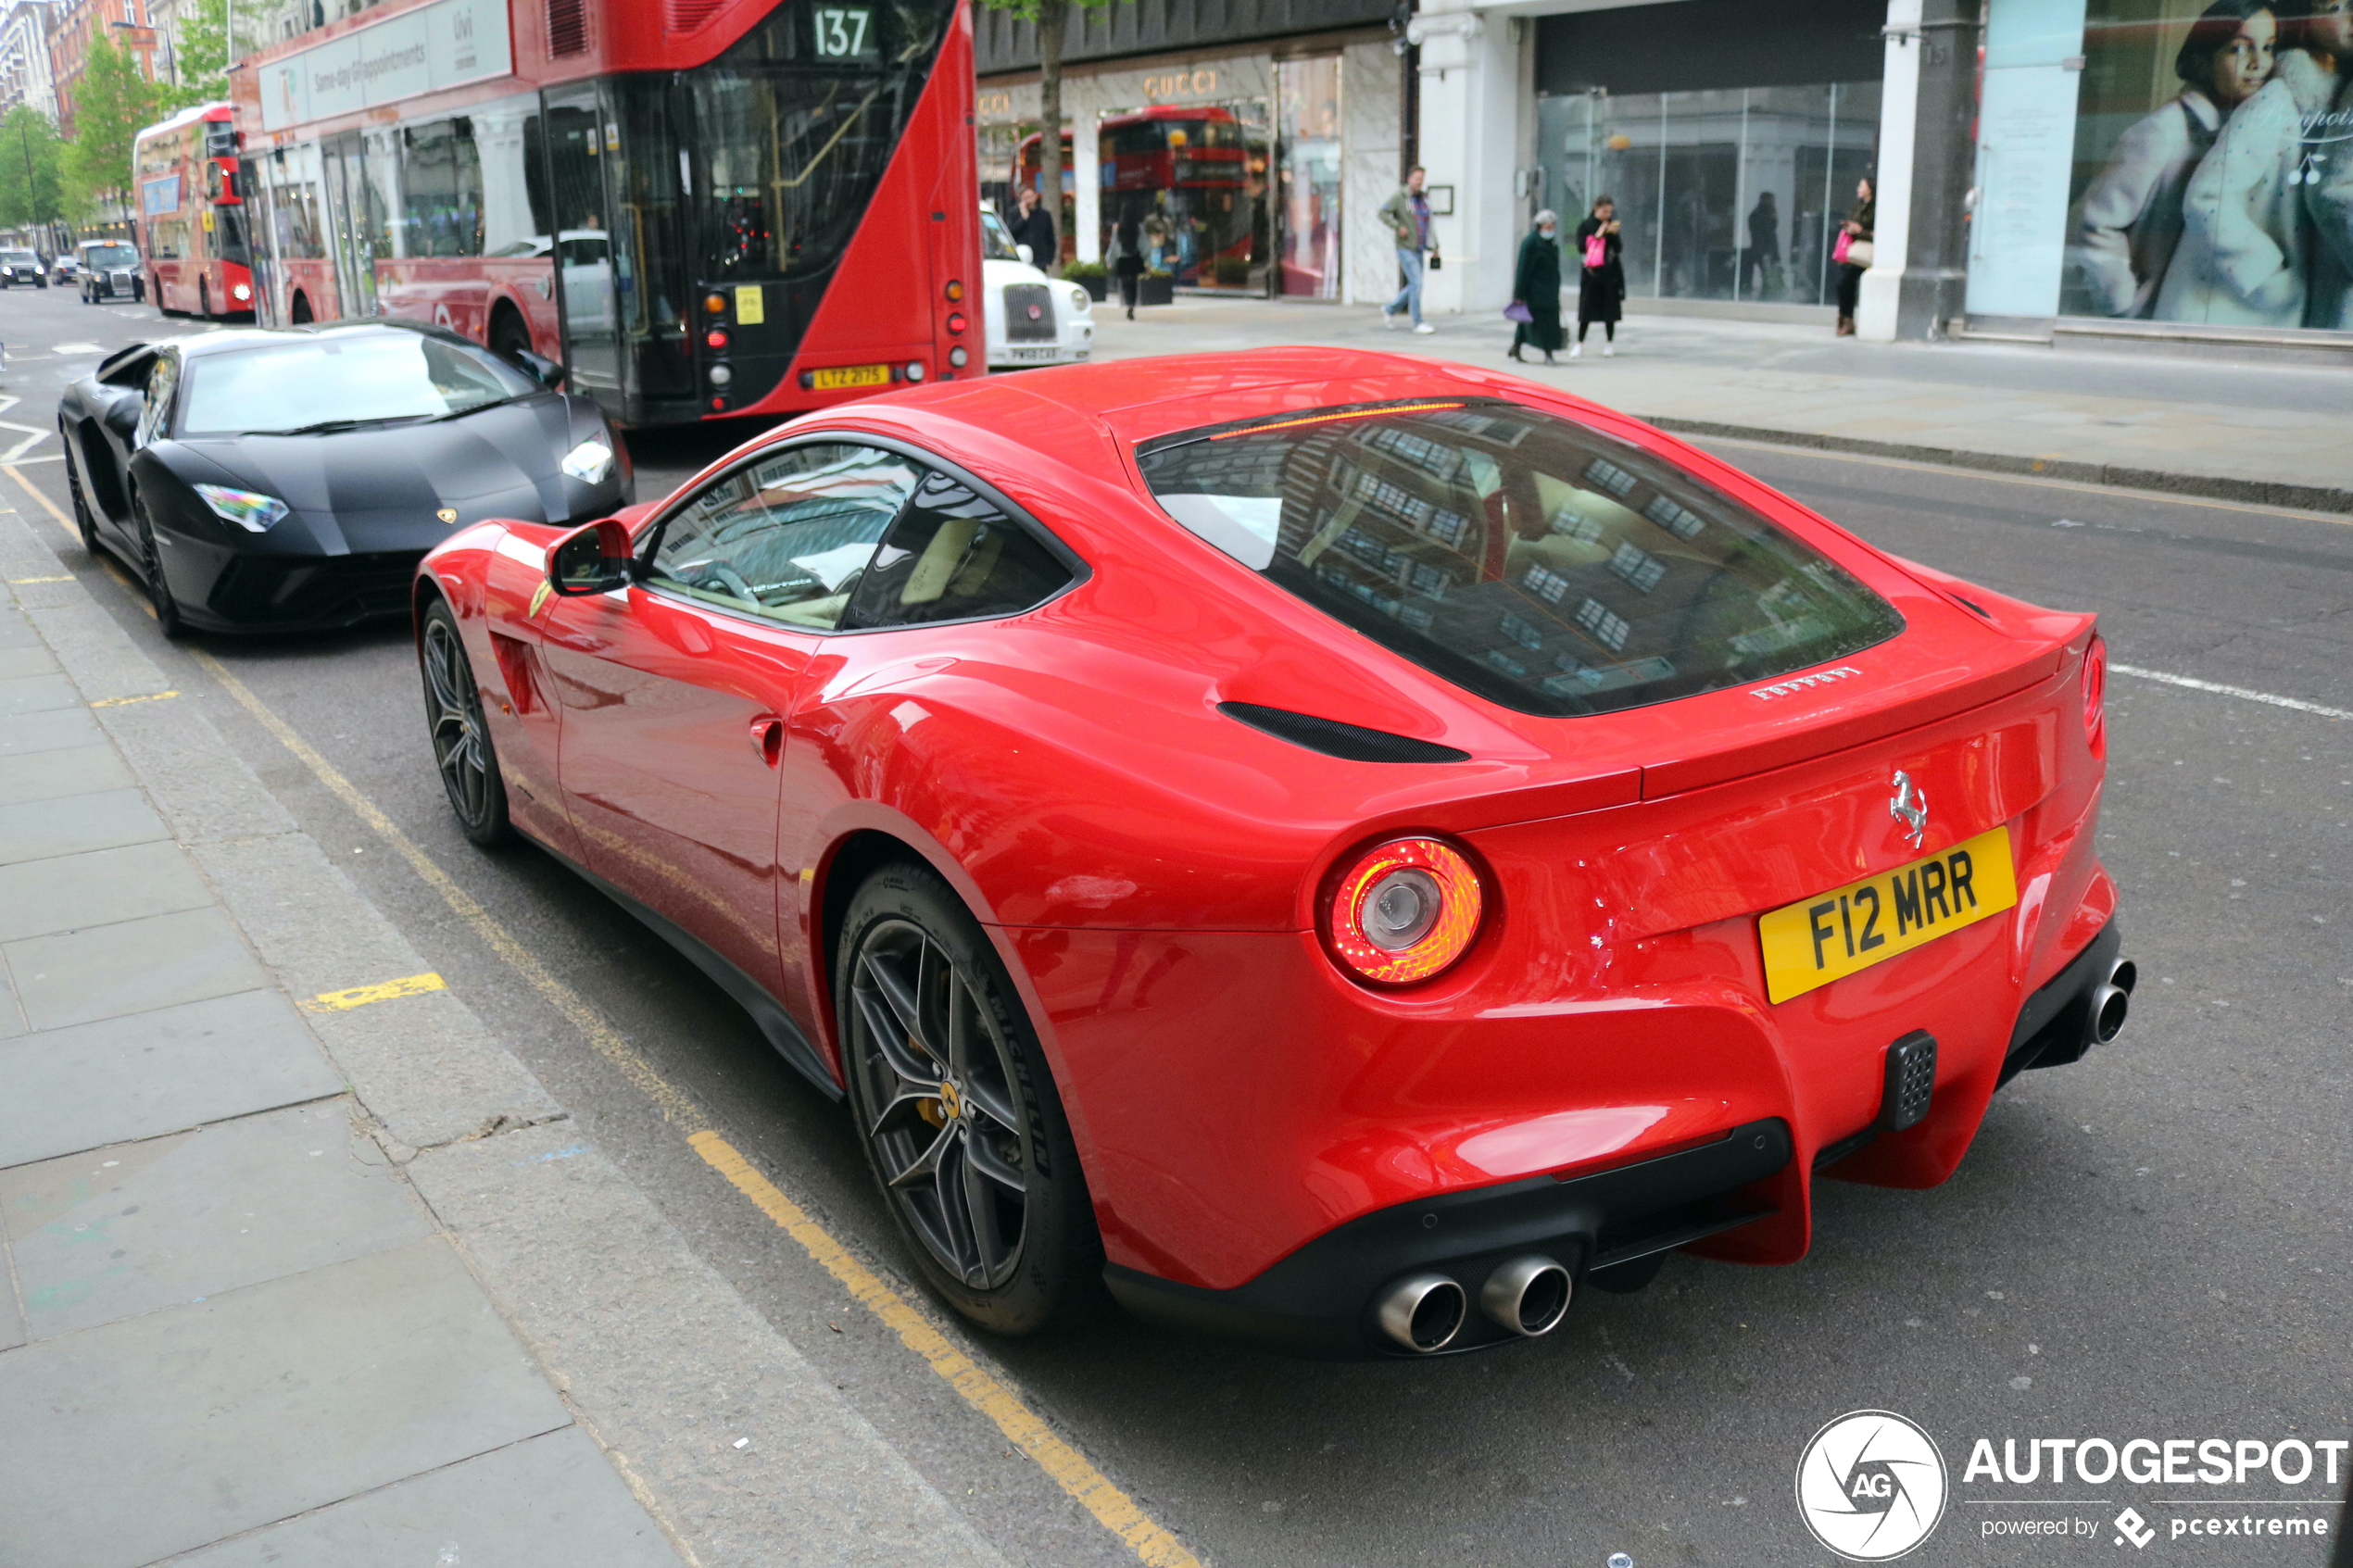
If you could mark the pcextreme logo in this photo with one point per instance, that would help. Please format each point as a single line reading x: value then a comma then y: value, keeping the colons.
x: 1871, y: 1485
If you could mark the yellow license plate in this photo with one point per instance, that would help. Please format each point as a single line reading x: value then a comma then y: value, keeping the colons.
x: 1836, y: 934
x: 848, y: 376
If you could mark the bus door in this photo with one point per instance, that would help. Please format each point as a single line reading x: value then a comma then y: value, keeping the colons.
x: 268, y: 278
x: 573, y: 133
x: 347, y: 230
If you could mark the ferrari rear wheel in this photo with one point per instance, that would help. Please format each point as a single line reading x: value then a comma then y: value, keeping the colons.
x: 168, y: 619
x: 958, y: 1113
x: 461, y: 745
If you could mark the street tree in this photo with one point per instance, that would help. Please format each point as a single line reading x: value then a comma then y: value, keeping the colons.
x: 1052, y: 18
x: 31, y: 184
x: 202, y: 56
x: 112, y: 103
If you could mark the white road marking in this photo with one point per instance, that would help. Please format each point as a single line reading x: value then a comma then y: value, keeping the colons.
x: 79, y: 348
x: 2240, y: 692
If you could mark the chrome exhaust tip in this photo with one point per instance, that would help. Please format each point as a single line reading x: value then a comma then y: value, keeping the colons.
x: 2112, y: 1002
x: 1528, y: 1296
x: 1422, y: 1312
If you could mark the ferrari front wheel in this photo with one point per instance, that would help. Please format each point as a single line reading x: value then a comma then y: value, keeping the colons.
x: 462, y: 745
x: 957, y: 1111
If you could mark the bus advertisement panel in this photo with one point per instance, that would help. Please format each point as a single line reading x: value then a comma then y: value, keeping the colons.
x: 701, y: 209
x: 192, y: 213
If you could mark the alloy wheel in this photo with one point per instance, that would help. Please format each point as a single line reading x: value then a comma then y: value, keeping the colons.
x: 458, y: 743
x: 949, y: 1123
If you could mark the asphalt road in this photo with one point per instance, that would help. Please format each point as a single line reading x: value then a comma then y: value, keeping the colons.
x: 2156, y: 1243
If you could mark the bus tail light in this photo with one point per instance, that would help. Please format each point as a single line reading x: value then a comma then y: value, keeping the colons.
x: 715, y: 340
x: 957, y: 357
x: 716, y: 304
x: 955, y: 321
x: 1407, y: 911
x: 955, y: 293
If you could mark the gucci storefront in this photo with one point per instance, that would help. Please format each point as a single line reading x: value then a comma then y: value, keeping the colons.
x: 1256, y: 169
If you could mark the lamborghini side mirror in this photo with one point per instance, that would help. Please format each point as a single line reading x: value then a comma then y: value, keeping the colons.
x: 592, y: 559
x: 541, y: 368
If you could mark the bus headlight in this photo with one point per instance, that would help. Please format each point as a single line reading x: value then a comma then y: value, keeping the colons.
x: 590, y: 461
x: 249, y: 509
x: 242, y: 293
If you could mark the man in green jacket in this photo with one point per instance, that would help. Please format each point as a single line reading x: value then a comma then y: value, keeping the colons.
x: 1407, y: 214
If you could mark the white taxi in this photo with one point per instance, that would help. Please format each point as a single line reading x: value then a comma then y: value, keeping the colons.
x: 1033, y: 319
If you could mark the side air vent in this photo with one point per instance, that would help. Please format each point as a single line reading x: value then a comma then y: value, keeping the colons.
x: 1335, y: 739
x: 567, y: 27
x: 686, y: 16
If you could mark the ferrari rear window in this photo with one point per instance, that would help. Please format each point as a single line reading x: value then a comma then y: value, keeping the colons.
x: 1525, y: 557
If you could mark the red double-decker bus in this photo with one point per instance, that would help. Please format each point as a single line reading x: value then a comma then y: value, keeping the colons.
x: 1200, y: 171
x: 193, y: 215
x: 701, y: 208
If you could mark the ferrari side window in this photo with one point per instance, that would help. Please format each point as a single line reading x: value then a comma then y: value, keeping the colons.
x: 786, y: 537
x: 954, y: 556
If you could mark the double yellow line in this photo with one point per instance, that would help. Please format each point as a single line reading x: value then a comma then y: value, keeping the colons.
x: 979, y: 1387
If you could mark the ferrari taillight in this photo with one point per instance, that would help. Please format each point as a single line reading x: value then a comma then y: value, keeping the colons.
x: 2095, y: 695
x: 1404, y: 911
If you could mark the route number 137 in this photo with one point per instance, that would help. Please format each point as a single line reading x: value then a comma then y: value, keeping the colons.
x: 843, y: 32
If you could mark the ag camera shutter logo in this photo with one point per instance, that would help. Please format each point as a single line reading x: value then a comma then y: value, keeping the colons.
x: 1871, y: 1485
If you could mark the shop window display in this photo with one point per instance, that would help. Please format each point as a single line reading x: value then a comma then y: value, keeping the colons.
x: 2212, y: 178
x: 1731, y: 194
x: 1193, y: 178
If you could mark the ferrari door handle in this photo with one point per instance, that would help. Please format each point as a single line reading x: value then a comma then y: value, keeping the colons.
x: 768, y: 738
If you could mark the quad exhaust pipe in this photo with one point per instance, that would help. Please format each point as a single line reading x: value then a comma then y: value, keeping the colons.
x: 1424, y: 1312
x: 2111, y: 1000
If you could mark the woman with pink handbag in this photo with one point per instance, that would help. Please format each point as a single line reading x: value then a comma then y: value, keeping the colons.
x: 1601, y: 280
x: 1852, y: 256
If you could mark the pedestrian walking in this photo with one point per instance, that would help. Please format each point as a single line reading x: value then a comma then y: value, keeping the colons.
x: 1536, y: 290
x: 1853, y: 255
x: 1127, y: 260
x: 1407, y: 214
x: 1601, y: 278
x: 1763, y: 256
x: 1034, y: 226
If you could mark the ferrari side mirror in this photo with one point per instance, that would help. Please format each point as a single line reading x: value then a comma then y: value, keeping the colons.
x: 541, y: 368
x: 592, y: 559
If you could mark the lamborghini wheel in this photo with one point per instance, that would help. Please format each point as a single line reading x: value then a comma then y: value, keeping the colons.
x: 168, y: 619
x: 84, y: 521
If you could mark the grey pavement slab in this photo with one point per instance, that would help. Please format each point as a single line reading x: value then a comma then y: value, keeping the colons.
x: 633, y: 1324
x: 171, y: 1431
x: 47, y: 775
x: 136, y: 966
x: 130, y: 1227
x: 30, y: 659
x: 37, y: 694
x: 24, y: 732
x: 120, y: 1079
x: 203, y: 788
x: 41, y: 898
x: 11, y: 1315
x: 16, y: 632
x: 42, y: 829
x: 423, y: 1065
x: 12, y: 1022
x: 551, y: 1502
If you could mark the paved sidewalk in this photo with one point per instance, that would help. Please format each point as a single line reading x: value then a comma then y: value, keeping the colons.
x: 299, y: 1266
x: 2274, y: 434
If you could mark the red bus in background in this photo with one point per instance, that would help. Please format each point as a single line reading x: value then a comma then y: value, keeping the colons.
x: 701, y: 209
x: 1199, y: 173
x: 192, y: 214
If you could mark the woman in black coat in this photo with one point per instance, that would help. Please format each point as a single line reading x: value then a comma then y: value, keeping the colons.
x: 1600, y: 291
x: 1857, y: 229
x: 1128, y: 259
x: 1536, y: 284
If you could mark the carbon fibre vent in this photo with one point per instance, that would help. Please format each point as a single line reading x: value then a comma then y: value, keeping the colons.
x: 1333, y: 739
x: 567, y: 27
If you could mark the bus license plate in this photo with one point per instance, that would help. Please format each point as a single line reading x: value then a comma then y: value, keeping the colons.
x: 845, y: 377
x: 1834, y: 935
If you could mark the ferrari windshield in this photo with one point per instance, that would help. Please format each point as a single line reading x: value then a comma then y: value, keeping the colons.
x: 1538, y: 563
x: 320, y: 385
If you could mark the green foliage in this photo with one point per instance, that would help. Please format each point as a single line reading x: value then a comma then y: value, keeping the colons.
x: 111, y: 103
x: 202, y: 55
x: 32, y: 183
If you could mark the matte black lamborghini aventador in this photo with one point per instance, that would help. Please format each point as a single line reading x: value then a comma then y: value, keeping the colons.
x: 289, y: 479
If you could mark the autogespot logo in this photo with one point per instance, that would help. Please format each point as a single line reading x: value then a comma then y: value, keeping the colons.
x: 1871, y: 1486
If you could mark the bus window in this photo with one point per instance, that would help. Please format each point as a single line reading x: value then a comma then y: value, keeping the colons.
x: 440, y: 187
